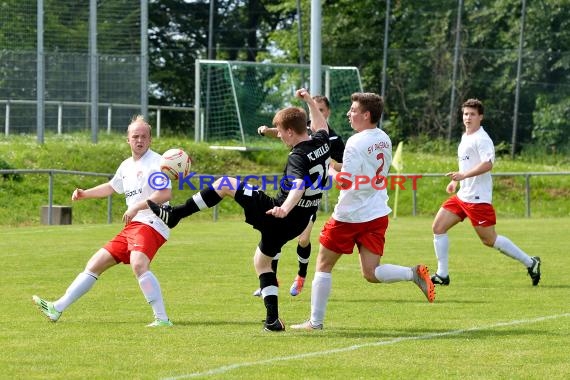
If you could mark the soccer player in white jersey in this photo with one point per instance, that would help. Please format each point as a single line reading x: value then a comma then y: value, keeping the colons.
x: 360, y: 216
x: 476, y: 155
x: 141, y: 237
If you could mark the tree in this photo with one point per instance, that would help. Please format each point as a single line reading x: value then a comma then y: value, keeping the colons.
x: 179, y: 35
x: 552, y: 124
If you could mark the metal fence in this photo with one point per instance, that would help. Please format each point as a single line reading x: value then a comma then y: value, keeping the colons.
x: 58, y: 115
x: 527, y: 187
x: 51, y: 173
x: 67, y: 51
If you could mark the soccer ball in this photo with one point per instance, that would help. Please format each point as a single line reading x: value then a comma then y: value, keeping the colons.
x: 175, y: 161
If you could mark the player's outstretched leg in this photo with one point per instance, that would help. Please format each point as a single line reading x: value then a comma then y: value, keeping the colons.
x: 423, y: 281
x: 534, y: 270
x: 165, y: 213
x: 47, y: 308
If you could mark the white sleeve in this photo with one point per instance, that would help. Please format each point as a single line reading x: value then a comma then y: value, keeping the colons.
x: 350, y: 161
x: 117, y: 181
x: 486, y: 150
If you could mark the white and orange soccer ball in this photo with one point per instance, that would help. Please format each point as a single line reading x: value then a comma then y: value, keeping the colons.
x: 175, y: 161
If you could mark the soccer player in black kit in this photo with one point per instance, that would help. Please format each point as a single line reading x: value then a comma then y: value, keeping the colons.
x: 280, y: 218
x: 304, y: 241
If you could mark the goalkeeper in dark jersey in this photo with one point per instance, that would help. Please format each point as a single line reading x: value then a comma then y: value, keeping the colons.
x: 281, y: 218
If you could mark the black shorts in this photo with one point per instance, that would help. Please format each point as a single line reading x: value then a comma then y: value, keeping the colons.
x: 275, y: 232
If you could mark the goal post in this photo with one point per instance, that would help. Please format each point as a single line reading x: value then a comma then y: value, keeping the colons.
x: 233, y: 98
x: 216, y: 102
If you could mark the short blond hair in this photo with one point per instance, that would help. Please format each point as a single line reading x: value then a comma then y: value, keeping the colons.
x: 139, y: 119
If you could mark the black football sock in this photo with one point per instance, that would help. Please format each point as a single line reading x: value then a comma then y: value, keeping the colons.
x: 270, y: 301
x: 204, y: 199
x: 303, y: 254
x: 210, y: 198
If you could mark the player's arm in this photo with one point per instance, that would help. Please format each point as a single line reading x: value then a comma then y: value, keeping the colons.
x: 482, y: 168
x: 158, y: 196
x: 318, y: 121
x: 337, y: 146
x: 264, y: 130
x: 100, y: 191
x: 336, y: 166
x: 451, y: 187
x: 334, y: 169
x: 294, y: 196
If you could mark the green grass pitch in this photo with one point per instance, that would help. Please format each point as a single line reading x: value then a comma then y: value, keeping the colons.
x: 489, y: 324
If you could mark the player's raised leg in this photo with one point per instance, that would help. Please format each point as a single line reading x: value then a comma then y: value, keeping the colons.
x: 206, y: 198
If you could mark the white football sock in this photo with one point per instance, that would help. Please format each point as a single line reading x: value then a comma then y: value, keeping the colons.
x: 199, y: 201
x: 508, y: 248
x: 320, y: 291
x: 389, y: 273
x: 81, y: 285
x: 151, y: 290
x: 441, y: 247
x: 271, y: 290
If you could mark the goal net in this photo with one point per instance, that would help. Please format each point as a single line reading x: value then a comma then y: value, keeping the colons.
x: 233, y: 98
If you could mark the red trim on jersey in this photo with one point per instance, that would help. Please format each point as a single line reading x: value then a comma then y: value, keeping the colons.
x: 135, y: 236
x: 341, y: 237
x: 480, y: 214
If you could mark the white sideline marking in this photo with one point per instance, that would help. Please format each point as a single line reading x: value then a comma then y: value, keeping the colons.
x: 227, y: 368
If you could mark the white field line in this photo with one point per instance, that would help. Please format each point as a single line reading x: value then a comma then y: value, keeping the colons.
x: 227, y: 368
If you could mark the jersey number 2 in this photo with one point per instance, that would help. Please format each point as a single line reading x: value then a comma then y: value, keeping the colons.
x: 379, y: 177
